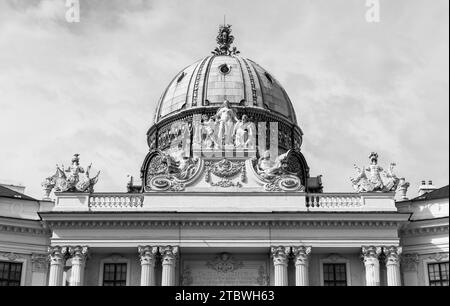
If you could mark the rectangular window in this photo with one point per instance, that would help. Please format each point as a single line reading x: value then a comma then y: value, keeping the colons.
x: 438, y: 274
x: 334, y: 274
x: 10, y: 273
x: 115, y: 274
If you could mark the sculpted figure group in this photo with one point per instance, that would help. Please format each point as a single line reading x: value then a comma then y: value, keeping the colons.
x: 74, y: 178
x: 372, y: 180
x: 225, y: 131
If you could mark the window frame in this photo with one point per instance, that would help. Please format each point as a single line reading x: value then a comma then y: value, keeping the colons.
x: 427, y: 271
x: 335, y: 259
x: 115, y: 260
x: 21, y: 260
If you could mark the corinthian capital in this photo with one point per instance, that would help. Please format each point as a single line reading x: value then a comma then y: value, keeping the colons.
x: 371, y: 253
x: 147, y: 254
x: 280, y: 254
x: 57, y: 254
x: 169, y: 254
x: 301, y: 254
x: 392, y: 254
x: 78, y: 253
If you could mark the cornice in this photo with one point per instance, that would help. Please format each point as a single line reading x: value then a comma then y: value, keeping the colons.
x: 25, y: 230
x: 429, y: 230
x: 221, y: 224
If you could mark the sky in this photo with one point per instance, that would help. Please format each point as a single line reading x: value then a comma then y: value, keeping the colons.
x: 91, y: 87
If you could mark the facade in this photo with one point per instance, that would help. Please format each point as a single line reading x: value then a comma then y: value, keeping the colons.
x: 24, y: 240
x: 425, y: 237
x: 227, y: 198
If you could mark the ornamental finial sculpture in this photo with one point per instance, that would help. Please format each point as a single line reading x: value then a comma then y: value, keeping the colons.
x: 372, y: 181
x: 73, y: 181
x: 224, y: 40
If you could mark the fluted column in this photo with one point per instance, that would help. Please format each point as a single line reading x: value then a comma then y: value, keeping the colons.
x: 169, y: 256
x: 56, y: 256
x: 301, y: 258
x: 372, y: 264
x: 147, y: 255
x: 392, y: 254
x: 79, y: 254
x: 280, y: 256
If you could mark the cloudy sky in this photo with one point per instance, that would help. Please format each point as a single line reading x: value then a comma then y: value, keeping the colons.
x: 92, y: 87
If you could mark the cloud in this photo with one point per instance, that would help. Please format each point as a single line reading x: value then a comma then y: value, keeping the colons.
x: 92, y: 87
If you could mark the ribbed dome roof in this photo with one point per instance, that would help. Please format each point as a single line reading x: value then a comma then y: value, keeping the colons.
x: 216, y: 78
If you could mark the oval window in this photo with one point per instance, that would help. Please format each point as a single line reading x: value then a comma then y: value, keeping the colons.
x: 224, y: 68
x: 181, y: 77
x: 269, y: 77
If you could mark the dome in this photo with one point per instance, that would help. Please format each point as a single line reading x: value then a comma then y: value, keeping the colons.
x: 216, y: 78
x: 224, y: 123
x: 225, y: 77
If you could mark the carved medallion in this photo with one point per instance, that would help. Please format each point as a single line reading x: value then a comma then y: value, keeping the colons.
x: 224, y: 263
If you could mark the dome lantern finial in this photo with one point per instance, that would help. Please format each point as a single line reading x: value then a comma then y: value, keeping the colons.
x: 224, y: 40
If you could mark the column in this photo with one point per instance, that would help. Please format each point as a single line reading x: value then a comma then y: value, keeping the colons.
x: 169, y: 256
x: 79, y: 254
x: 147, y: 255
x: 372, y: 264
x: 56, y: 256
x: 301, y: 258
x: 280, y: 255
x: 392, y: 254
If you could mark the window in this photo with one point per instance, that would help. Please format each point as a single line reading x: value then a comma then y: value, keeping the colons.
x: 438, y: 274
x: 10, y: 273
x: 115, y: 274
x: 334, y: 274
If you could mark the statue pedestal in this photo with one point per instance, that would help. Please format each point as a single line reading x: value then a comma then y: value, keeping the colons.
x: 71, y: 201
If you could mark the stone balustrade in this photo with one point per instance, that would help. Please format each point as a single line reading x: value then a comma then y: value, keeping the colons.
x: 239, y: 202
x: 115, y: 200
x: 333, y: 201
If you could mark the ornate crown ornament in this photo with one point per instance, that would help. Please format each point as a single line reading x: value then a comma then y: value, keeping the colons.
x: 77, y: 179
x: 224, y: 40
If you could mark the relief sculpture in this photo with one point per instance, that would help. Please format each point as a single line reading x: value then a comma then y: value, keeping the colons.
x: 280, y: 174
x: 170, y: 172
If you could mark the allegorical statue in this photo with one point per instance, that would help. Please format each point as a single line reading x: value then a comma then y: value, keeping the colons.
x: 209, y: 132
x: 245, y: 134
x: 73, y: 181
x: 74, y: 170
x: 269, y: 169
x: 373, y: 181
x: 226, y: 119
